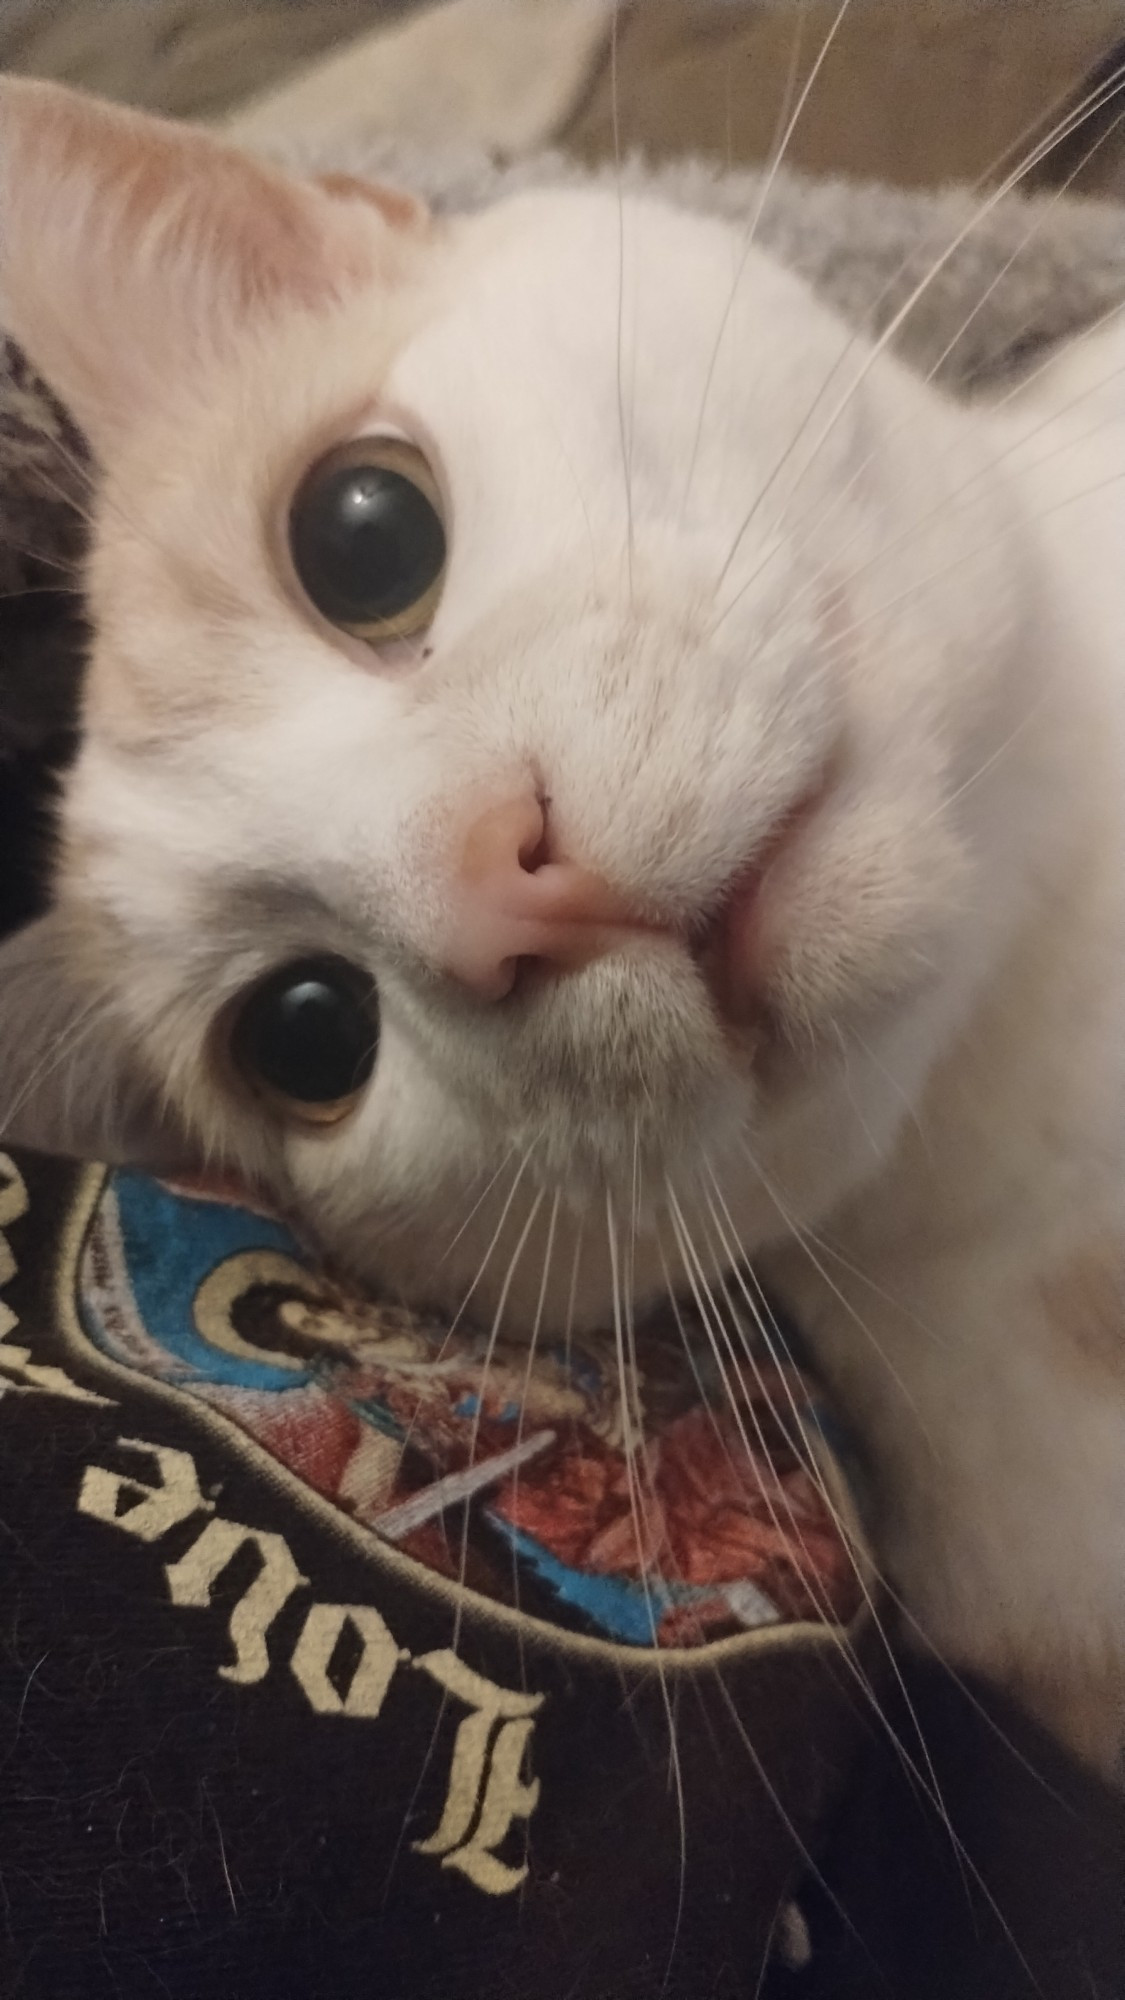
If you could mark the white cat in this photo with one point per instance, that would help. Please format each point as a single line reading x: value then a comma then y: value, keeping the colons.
x: 549, y: 643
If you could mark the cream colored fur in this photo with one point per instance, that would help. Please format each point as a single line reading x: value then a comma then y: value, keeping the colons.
x: 709, y: 552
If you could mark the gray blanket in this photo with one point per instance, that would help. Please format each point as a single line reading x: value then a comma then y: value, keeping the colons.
x: 1007, y: 283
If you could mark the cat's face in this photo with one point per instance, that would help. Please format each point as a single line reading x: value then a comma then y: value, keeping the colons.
x: 639, y: 806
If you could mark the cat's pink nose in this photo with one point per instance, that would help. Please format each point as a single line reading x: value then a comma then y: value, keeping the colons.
x: 514, y: 904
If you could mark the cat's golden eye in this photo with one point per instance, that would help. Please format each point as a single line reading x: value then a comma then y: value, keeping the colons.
x: 306, y: 1037
x: 367, y: 539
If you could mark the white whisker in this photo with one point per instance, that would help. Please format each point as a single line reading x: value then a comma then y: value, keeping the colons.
x: 802, y: 1239
x: 750, y: 236
x: 626, y: 452
x: 926, y: 1777
x: 478, y: 1414
x: 1102, y: 94
x: 633, y: 1446
x: 532, y: 1344
x: 476, y: 1207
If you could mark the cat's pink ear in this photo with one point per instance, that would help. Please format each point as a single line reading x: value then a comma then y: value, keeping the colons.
x: 395, y: 205
x: 131, y: 249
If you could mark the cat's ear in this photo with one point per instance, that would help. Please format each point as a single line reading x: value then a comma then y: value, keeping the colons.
x: 398, y: 207
x: 69, y: 1082
x: 133, y: 249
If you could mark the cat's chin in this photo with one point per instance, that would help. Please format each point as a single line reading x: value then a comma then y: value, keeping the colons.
x: 607, y: 1237
x: 569, y: 1271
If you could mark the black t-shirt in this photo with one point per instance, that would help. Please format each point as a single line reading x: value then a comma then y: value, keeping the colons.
x: 330, y: 1664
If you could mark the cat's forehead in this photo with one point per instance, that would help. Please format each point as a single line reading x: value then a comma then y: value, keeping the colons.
x: 558, y: 260
x: 593, y: 285
x: 573, y: 334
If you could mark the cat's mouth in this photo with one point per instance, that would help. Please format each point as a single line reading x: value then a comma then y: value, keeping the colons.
x: 733, y: 950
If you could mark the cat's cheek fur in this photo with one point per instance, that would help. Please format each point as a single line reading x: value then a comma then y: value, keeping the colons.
x: 1000, y: 1448
x: 987, y: 1269
x: 412, y: 1150
x: 867, y: 911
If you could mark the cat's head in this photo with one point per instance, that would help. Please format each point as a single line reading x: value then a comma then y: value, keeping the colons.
x: 540, y: 663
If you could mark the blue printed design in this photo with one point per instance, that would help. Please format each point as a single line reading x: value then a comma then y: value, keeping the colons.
x: 437, y: 1439
x: 171, y: 1243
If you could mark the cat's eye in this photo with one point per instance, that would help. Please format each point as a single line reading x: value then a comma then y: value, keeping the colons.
x: 367, y: 539
x: 306, y: 1038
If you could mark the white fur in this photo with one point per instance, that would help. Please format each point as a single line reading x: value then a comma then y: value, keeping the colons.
x: 913, y: 596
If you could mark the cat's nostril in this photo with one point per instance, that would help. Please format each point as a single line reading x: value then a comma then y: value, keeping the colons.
x: 516, y: 902
x: 535, y: 849
x: 505, y: 839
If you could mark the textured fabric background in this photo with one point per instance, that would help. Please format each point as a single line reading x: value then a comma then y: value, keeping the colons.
x: 191, y: 57
x: 915, y: 91
x: 912, y: 92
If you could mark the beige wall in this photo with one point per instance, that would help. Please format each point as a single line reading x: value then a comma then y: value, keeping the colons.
x: 911, y: 91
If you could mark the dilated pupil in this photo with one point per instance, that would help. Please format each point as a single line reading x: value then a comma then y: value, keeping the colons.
x: 310, y: 1032
x: 366, y: 542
